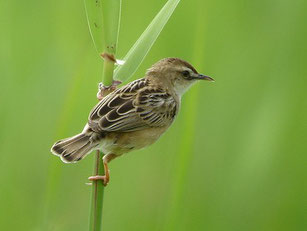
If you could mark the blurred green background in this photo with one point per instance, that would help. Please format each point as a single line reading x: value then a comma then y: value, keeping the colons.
x: 233, y: 160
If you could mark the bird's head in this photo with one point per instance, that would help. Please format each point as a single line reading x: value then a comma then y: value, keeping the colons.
x: 176, y: 73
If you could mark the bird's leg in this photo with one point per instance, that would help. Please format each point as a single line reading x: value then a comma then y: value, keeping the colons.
x: 104, y: 90
x: 106, y: 178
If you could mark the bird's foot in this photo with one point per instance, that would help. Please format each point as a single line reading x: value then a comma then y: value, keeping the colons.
x: 104, y: 90
x: 105, y: 178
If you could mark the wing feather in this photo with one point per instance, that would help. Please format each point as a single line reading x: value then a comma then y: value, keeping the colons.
x: 133, y: 107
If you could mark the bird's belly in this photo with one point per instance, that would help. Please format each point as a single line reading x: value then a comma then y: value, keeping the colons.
x: 120, y: 143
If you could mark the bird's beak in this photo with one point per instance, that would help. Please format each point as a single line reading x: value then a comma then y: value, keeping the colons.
x: 203, y: 77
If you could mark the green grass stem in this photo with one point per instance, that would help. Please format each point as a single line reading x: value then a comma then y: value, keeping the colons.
x: 97, y: 195
x: 106, y: 15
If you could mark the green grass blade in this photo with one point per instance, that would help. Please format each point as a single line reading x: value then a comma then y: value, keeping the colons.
x: 139, y: 50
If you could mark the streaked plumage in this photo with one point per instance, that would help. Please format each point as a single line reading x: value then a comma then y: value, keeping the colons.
x: 136, y: 106
x: 133, y: 116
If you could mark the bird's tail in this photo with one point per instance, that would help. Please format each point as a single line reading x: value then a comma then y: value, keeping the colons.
x: 74, y: 148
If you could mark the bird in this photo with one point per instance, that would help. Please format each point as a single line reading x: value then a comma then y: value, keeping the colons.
x: 133, y: 116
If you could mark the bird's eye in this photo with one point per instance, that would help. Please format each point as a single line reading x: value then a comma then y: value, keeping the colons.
x: 186, y: 73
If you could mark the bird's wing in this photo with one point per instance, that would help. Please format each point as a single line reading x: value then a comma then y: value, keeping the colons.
x: 133, y: 107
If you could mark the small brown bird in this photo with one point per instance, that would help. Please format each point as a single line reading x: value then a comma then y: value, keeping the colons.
x: 133, y: 116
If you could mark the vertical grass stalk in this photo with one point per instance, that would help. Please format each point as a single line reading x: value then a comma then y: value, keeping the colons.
x: 97, y: 195
x: 103, y: 19
x: 98, y: 187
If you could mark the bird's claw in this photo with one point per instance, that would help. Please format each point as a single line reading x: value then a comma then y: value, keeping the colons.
x: 104, y: 90
x: 105, y: 179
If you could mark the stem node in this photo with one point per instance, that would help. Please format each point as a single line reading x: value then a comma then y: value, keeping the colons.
x: 108, y: 57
